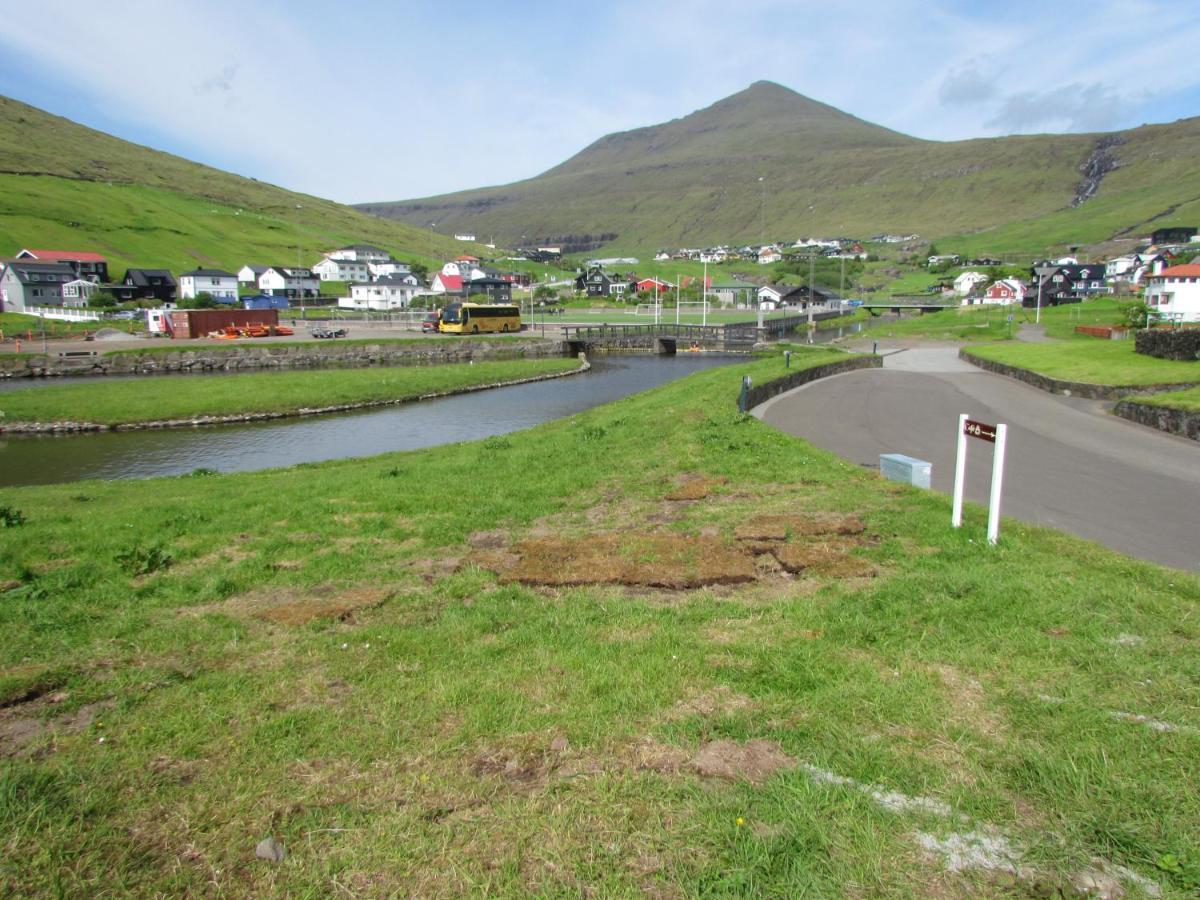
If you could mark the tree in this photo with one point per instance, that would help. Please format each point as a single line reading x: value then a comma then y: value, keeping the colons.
x: 102, y: 300
x: 204, y: 300
x: 544, y: 292
x: 1139, y: 315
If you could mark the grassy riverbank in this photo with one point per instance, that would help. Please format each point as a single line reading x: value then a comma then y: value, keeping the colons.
x: 1188, y: 400
x: 163, y: 398
x: 1093, y: 361
x: 399, y: 668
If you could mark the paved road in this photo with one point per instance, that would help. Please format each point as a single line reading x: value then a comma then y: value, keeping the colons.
x: 1070, y: 465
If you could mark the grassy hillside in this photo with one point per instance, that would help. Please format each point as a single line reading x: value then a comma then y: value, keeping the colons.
x: 696, y: 180
x: 64, y: 185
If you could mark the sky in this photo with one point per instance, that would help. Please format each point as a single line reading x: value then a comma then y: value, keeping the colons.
x: 370, y: 100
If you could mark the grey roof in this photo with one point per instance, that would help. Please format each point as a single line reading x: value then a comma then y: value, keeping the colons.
x: 212, y: 273
x: 22, y: 270
x: 141, y: 276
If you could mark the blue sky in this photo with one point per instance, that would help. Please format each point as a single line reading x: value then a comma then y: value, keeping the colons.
x: 373, y: 100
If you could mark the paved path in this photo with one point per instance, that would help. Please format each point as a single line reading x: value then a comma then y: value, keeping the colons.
x: 1032, y: 334
x: 1070, y: 464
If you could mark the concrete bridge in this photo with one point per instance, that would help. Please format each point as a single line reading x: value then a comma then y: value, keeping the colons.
x: 900, y: 302
x: 669, y: 338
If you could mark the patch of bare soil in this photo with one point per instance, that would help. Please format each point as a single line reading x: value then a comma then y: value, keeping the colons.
x: 754, y: 761
x: 488, y: 540
x: 634, y: 558
x: 22, y: 724
x: 780, y: 528
x: 719, y: 700
x: 648, y: 755
x: 224, y: 556
x: 822, y: 559
x: 968, y: 702
x: 694, y: 487
x: 291, y: 606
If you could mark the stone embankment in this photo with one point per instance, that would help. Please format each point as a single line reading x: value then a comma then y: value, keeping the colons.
x: 256, y: 358
x: 198, y: 421
x: 764, y: 392
x: 1164, y: 418
x: 1082, y: 389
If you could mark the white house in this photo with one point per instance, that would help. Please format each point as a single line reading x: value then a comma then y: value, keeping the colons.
x: 219, y: 284
x: 967, y: 282
x: 388, y: 267
x: 465, y: 236
x: 1118, y: 267
x: 248, y: 275
x: 279, y: 281
x: 332, y: 269
x: 79, y: 292
x: 388, y: 293
x: 766, y: 257
x: 363, y: 253
x: 1174, y: 293
x: 463, y: 266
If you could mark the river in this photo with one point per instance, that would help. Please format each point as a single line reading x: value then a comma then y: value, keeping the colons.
x: 247, y: 447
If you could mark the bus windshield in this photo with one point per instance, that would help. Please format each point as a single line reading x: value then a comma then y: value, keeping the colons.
x: 451, y: 312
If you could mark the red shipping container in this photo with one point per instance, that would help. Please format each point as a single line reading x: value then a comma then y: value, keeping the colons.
x: 196, y: 323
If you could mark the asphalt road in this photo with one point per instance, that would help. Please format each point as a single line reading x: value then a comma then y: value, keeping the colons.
x: 1070, y: 465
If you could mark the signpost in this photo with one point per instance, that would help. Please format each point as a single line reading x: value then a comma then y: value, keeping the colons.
x: 993, y: 434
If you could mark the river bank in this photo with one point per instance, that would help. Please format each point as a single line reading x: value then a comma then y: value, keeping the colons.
x: 188, y: 403
x: 753, y: 667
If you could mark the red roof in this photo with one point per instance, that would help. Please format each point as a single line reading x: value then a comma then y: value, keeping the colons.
x: 65, y: 255
x: 465, y: 258
x: 450, y: 282
x: 1191, y: 270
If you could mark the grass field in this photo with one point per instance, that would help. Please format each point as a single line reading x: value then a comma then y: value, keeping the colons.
x: 1093, y: 361
x: 990, y: 323
x: 19, y: 325
x: 158, y: 399
x: 626, y: 652
x: 1187, y: 399
x: 627, y: 315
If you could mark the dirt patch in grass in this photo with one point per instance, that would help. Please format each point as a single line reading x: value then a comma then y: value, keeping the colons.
x: 637, y: 559
x: 648, y: 755
x: 780, y: 528
x: 225, y: 556
x: 821, y: 559
x: 968, y: 702
x: 754, y: 761
x: 715, y: 701
x: 290, y: 606
x: 23, y: 725
x: 694, y: 487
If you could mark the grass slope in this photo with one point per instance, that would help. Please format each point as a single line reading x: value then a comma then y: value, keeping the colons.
x: 151, y: 400
x: 1092, y: 361
x: 321, y: 654
x: 695, y: 181
x: 66, y: 186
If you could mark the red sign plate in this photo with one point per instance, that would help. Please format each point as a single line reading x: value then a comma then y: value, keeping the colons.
x: 980, y: 430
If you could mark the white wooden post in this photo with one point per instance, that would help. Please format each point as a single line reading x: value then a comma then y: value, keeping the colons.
x: 960, y: 472
x: 993, y: 531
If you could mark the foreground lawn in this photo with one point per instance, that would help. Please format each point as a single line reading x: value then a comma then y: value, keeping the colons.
x: 1093, y: 361
x: 160, y: 398
x: 495, y: 667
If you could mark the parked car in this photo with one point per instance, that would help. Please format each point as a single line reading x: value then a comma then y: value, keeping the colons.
x: 430, y: 323
x: 321, y: 332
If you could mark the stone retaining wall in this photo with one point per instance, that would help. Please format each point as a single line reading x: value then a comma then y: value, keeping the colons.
x: 1164, y: 418
x: 761, y: 393
x: 1069, y: 388
x: 256, y: 358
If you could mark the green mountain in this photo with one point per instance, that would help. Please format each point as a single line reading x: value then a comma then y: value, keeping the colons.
x: 66, y: 186
x: 768, y: 163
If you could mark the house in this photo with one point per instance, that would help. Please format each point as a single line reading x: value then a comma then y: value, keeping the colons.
x: 447, y: 284
x: 384, y: 294
x: 943, y: 258
x: 652, y: 286
x: 776, y: 296
x: 462, y: 266
x: 733, y: 293
x: 339, y: 269
x: 497, y: 290
x: 91, y: 266
x: 1174, y: 293
x: 77, y: 293
x: 287, y: 282
x: 1069, y: 283
x: 1173, y: 235
x: 1117, y: 268
x: 220, y: 285
x: 146, y: 284
x: 967, y: 281
x: 661, y: 256
x: 362, y: 253
x: 388, y: 267
x: 599, y: 283
x: 25, y: 284
x: 768, y: 256
x: 1149, y: 262
x: 465, y: 236
x: 1005, y: 291
x: 248, y: 275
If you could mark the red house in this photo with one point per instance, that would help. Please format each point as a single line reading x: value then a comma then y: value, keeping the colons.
x: 650, y: 285
x: 1004, y: 292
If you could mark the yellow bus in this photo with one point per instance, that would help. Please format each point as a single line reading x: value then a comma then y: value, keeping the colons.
x: 477, y: 318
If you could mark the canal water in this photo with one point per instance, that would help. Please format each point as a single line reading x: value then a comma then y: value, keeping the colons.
x: 50, y: 459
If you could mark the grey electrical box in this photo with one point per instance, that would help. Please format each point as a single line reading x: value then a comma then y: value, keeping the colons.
x: 905, y: 469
